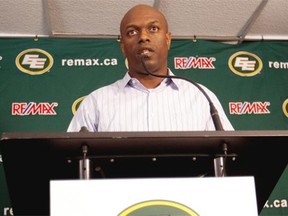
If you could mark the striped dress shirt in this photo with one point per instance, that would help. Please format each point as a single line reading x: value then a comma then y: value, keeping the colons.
x: 126, y: 105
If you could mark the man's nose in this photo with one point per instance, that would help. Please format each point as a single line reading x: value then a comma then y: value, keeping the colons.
x: 144, y: 36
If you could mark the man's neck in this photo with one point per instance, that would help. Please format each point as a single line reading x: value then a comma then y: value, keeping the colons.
x: 147, y: 80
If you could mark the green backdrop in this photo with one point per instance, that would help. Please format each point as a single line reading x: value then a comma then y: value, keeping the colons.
x: 43, y: 80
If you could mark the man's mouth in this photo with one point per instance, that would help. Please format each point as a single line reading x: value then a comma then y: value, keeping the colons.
x: 145, y: 51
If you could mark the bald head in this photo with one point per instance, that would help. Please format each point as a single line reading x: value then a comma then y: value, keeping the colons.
x: 144, y: 32
x: 141, y: 10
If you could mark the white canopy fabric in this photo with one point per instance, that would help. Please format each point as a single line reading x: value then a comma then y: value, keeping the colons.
x: 225, y: 20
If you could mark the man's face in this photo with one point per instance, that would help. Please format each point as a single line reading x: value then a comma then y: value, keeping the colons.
x: 144, y: 33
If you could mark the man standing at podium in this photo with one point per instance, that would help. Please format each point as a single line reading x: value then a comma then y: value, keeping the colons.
x: 144, y: 102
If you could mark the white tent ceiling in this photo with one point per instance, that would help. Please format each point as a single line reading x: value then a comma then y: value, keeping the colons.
x: 223, y: 20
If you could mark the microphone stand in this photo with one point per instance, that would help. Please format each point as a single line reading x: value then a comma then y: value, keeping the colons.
x: 84, y: 163
x: 220, y: 161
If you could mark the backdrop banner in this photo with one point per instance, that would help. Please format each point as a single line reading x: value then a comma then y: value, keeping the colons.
x: 43, y: 81
x: 277, y: 204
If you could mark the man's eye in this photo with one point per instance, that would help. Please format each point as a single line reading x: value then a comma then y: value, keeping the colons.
x: 154, y: 28
x: 132, y: 32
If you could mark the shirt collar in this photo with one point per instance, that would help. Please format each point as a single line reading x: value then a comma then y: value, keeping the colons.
x: 125, y: 81
x: 174, y: 83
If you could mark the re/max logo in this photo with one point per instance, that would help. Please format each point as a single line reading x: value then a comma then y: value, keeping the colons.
x: 240, y: 108
x: 33, y: 108
x: 193, y: 62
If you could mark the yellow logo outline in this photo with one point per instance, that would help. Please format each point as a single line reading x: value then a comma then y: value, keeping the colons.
x: 140, y: 205
x: 284, y: 107
x: 76, y: 104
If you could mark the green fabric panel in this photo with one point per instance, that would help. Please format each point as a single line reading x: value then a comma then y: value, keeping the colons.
x: 253, y: 100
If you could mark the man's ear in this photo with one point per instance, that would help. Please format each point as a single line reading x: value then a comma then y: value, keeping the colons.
x: 122, y: 48
x: 168, y: 39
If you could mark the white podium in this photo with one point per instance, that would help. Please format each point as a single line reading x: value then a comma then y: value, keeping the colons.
x: 207, y: 196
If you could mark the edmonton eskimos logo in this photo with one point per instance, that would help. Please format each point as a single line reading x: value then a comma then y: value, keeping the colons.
x: 34, y: 61
x: 158, y: 207
x: 245, y: 64
x: 126, y: 63
x: 76, y: 104
x: 285, y: 108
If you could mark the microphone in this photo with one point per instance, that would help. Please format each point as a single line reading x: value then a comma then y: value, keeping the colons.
x: 83, y: 129
x: 213, y: 111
